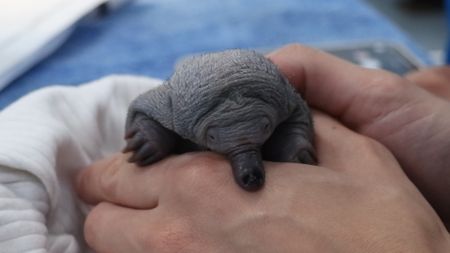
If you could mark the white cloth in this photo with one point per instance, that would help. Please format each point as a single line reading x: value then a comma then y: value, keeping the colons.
x: 45, y: 138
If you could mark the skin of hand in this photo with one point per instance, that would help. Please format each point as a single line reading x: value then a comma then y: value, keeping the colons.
x: 409, y: 120
x: 436, y: 80
x: 357, y: 200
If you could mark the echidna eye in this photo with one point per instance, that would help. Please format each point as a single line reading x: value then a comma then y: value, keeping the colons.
x: 211, y: 135
x: 266, y: 125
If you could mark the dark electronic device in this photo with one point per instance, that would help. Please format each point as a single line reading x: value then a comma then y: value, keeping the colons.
x: 377, y: 55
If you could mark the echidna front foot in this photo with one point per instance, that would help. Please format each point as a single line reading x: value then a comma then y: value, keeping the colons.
x: 148, y: 140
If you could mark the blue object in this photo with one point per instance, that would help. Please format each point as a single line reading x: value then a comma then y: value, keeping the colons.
x: 146, y: 37
x: 447, y: 6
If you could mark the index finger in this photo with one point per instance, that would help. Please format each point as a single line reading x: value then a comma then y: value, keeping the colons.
x: 116, y: 180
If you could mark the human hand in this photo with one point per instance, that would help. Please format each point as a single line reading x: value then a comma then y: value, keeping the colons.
x: 411, y: 122
x: 358, y: 200
x: 435, y: 80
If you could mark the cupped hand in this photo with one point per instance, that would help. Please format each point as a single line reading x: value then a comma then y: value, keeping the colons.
x: 357, y: 200
x: 411, y: 121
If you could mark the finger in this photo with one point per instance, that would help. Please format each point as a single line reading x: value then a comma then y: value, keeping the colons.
x: 112, y: 228
x: 341, y: 89
x: 435, y: 80
x: 116, y: 180
x: 341, y: 149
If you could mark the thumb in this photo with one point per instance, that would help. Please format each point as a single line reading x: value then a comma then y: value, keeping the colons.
x: 355, y: 95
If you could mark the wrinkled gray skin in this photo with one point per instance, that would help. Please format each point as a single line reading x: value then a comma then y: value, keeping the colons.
x: 235, y: 103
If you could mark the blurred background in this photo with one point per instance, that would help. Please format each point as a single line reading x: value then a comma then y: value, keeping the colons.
x: 68, y: 42
x: 423, y: 20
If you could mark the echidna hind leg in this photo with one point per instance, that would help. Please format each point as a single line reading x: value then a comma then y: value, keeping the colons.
x: 292, y: 141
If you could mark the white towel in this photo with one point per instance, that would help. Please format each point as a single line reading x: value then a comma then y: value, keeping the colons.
x: 45, y: 138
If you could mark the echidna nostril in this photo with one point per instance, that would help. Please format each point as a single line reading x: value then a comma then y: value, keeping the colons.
x: 253, y: 180
x: 246, y: 179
